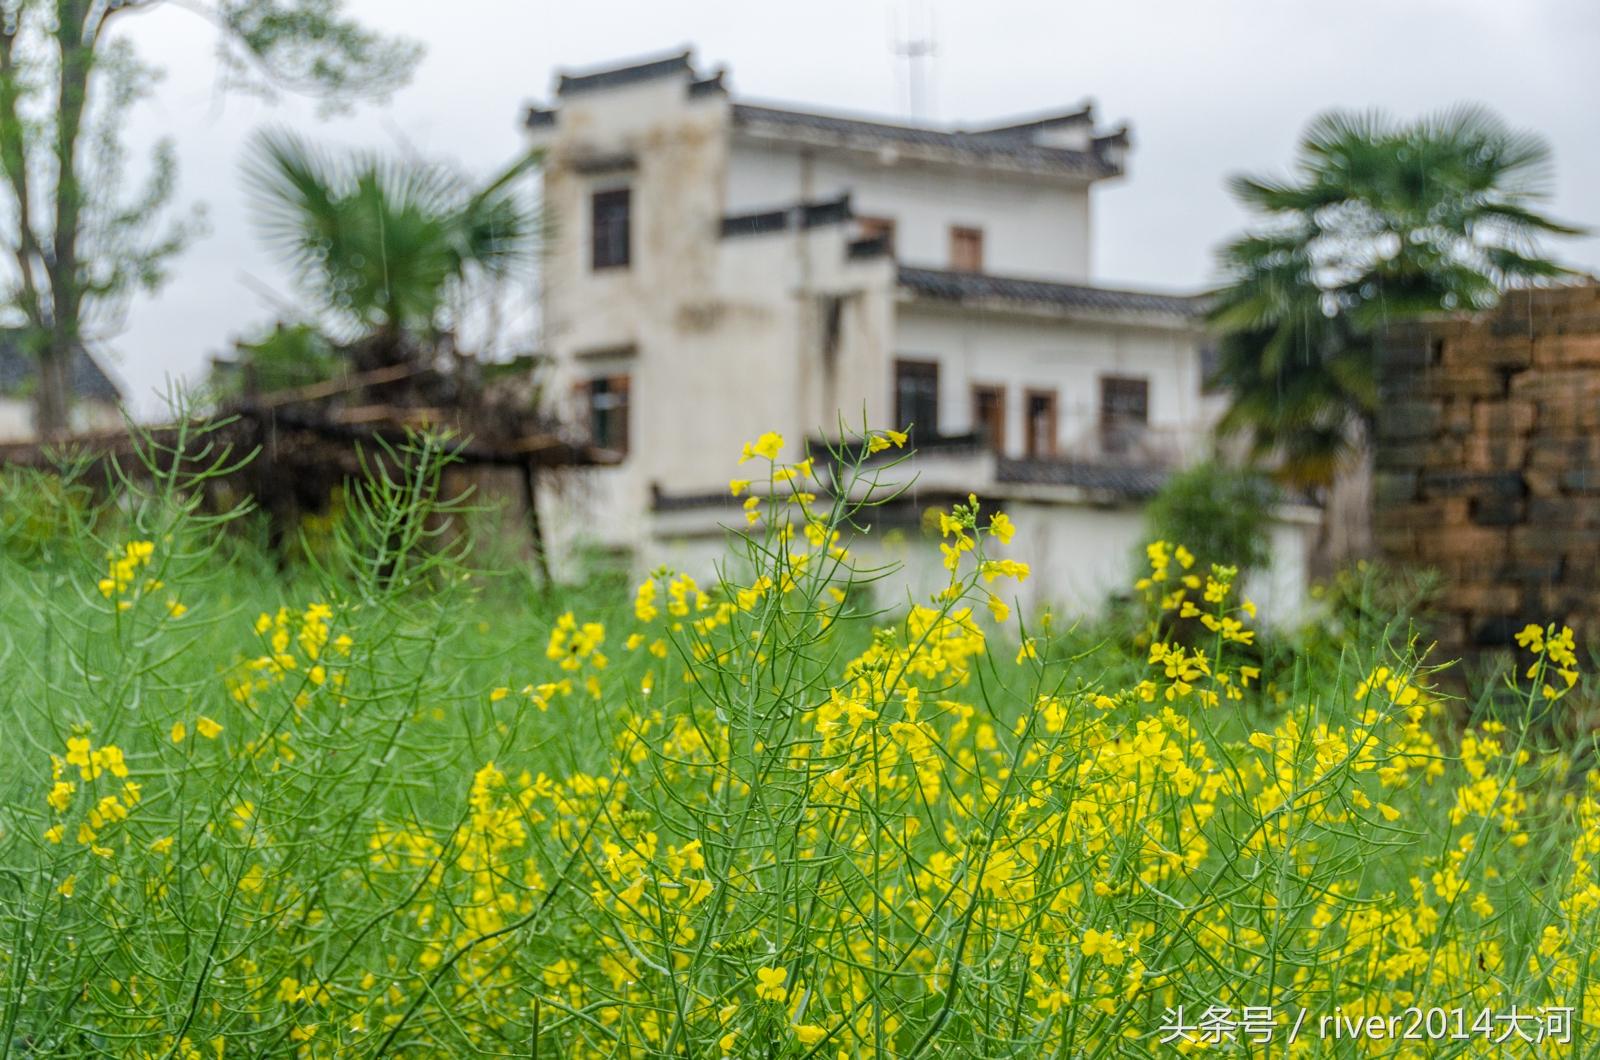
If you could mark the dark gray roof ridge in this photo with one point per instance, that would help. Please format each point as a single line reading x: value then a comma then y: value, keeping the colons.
x: 1017, y: 149
x: 1024, y: 124
x: 637, y: 70
x: 954, y: 286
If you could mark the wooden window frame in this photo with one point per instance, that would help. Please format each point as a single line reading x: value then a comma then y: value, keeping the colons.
x: 997, y: 440
x: 619, y: 384
x: 962, y: 239
x: 877, y: 227
x: 1115, y: 437
x: 1031, y: 437
x: 926, y: 431
x: 603, y: 252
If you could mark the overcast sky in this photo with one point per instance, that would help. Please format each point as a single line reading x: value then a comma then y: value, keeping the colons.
x: 1210, y: 87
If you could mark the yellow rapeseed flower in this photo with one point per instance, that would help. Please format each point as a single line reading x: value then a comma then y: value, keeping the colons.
x: 769, y: 984
x: 769, y: 445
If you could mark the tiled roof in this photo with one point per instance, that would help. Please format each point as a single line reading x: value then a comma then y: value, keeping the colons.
x: 709, y: 85
x: 1132, y: 481
x: 624, y: 75
x: 1107, y: 481
x: 685, y: 502
x: 1013, y: 143
x: 800, y: 215
x: 18, y: 368
x: 981, y: 146
x: 1083, y: 115
x: 981, y: 287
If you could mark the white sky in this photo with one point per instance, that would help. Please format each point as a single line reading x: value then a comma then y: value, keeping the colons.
x: 1211, y: 87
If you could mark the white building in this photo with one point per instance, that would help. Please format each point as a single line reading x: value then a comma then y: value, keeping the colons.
x: 96, y: 400
x: 718, y: 269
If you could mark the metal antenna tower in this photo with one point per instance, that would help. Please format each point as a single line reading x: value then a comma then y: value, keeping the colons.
x: 918, y: 50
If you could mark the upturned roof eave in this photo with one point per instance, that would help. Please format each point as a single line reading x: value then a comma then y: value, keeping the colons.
x: 1081, y: 171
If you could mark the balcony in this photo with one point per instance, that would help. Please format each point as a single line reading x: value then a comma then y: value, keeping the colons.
x: 1095, y: 467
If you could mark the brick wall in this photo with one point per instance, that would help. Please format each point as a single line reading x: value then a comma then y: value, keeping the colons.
x: 1487, y: 464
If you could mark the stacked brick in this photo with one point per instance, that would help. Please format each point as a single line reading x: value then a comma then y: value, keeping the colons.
x: 1487, y: 464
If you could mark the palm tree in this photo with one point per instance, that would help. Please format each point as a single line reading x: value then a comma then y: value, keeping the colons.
x: 382, y: 245
x: 1380, y: 222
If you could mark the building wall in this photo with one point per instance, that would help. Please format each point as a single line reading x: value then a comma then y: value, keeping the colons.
x: 679, y: 149
x: 1069, y: 357
x: 1031, y: 227
x: 723, y: 338
x: 1081, y: 555
x: 1487, y: 465
x: 669, y: 151
x: 16, y: 417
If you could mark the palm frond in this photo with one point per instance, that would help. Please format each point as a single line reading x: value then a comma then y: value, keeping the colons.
x: 380, y: 241
x: 1381, y: 222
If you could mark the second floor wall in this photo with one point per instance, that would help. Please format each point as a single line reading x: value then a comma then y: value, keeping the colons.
x: 935, y: 217
x: 1048, y: 389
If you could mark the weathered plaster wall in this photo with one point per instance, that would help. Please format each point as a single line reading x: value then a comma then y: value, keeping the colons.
x: 1487, y: 465
x: 722, y: 337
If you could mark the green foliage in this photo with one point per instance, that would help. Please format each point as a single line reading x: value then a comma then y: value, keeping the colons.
x: 291, y: 356
x: 41, y: 509
x: 77, y: 242
x: 1220, y: 513
x: 384, y: 806
x: 381, y: 244
x: 1366, y: 598
x: 310, y: 47
x: 1381, y: 221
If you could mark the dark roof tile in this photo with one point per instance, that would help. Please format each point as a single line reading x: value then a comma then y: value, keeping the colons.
x: 18, y: 369
x: 951, y: 286
x: 978, y: 146
x: 800, y: 215
x: 648, y: 70
x: 1027, y: 127
x: 709, y: 85
x: 1123, y: 481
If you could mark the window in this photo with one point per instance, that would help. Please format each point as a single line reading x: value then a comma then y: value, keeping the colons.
x: 611, y: 228
x: 916, y: 397
x: 1124, y: 411
x: 1041, y: 423
x: 606, y: 403
x: 1210, y: 364
x: 878, y: 228
x: 989, y: 415
x: 966, y: 249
